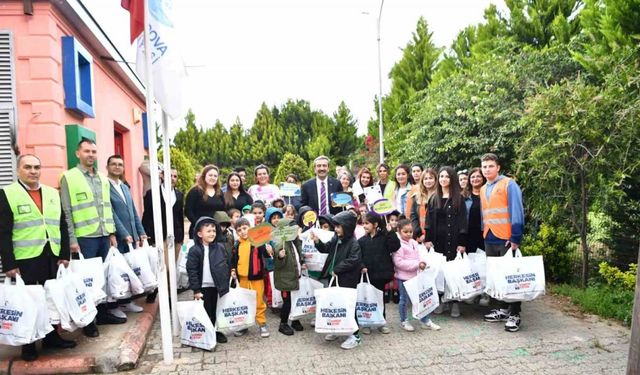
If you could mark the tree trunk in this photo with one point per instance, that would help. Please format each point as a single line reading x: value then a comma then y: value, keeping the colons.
x: 633, y: 364
x: 583, y: 230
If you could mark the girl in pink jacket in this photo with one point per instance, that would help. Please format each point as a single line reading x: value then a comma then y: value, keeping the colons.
x: 407, y: 261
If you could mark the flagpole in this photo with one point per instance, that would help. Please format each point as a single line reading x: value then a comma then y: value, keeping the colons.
x: 171, y: 264
x: 165, y: 318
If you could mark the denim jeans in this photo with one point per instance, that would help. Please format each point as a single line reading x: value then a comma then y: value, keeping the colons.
x: 404, y: 302
x: 94, y: 247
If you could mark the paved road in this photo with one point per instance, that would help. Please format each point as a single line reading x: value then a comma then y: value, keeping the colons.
x: 550, y: 342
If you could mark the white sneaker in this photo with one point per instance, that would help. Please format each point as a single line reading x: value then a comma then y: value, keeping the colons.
x: 118, y: 313
x: 384, y: 329
x: 264, y: 331
x: 312, y: 323
x: 131, y: 307
x: 407, y: 326
x: 484, y: 300
x: 366, y: 330
x: 455, y: 310
x: 351, y: 342
x: 241, y: 332
x: 330, y: 337
x: 429, y: 324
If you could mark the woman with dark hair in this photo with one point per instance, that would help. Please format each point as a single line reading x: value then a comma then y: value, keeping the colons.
x: 463, y: 179
x: 364, y: 180
x: 383, y: 178
x: 447, y: 221
x: 205, y: 198
x: 263, y: 190
x: 235, y: 196
x: 403, y: 184
x: 416, y: 172
x: 475, y: 240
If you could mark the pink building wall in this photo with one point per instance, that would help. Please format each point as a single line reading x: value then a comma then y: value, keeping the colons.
x: 41, y: 113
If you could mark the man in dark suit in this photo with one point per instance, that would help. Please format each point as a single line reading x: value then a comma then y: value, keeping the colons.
x: 316, y: 192
x: 129, y: 230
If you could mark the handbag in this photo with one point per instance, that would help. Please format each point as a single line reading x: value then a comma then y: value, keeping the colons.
x: 423, y: 293
x: 138, y: 259
x: 336, y: 309
x: 303, y: 300
x: 92, y: 273
x: 369, y: 304
x: 514, y: 278
x: 196, y: 328
x: 236, y: 310
x: 19, y: 313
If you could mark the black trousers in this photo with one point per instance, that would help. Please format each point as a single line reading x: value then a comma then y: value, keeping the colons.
x: 379, y: 284
x: 210, y: 299
x: 498, y: 250
x: 286, y: 307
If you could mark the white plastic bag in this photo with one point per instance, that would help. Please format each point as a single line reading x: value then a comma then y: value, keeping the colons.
x: 303, y: 300
x: 236, y: 310
x: 196, y: 330
x: 478, y: 262
x: 435, y: 261
x: 461, y: 283
x: 181, y: 267
x: 92, y: 273
x: 515, y: 278
x: 369, y: 304
x: 78, y: 302
x: 313, y: 259
x: 18, y: 314
x: 276, y: 295
x: 121, y: 281
x: 55, y: 294
x: 336, y: 309
x: 43, y: 321
x: 423, y: 293
x: 153, y: 256
x: 138, y: 259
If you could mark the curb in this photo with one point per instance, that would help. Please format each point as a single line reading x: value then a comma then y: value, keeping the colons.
x: 124, y: 357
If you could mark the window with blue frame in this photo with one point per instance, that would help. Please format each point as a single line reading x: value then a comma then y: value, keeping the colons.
x: 77, y: 76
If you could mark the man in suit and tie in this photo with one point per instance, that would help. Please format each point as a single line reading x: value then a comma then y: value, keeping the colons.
x: 129, y: 230
x: 316, y: 193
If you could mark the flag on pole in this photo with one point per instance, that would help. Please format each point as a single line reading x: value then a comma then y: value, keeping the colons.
x: 136, y: 18
x: 167, y: 70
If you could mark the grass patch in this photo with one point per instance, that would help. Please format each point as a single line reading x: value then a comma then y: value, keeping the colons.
x: 602, y: 300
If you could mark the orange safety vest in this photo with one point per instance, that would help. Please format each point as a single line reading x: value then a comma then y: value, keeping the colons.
x: 495, y: 210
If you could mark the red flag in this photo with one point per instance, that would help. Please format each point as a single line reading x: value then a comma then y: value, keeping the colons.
x: 136, y: 8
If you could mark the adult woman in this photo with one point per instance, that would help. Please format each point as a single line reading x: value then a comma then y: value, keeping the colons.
x: 416, y: 172
x: 235, y: 196
x: 295, y: 201
x: 345, y: 181
x: 418, y: 202
x: 403, y: 183
x: 475, y: 239
x: 365, y: 179
x: 205, y: 198
x: 383, y: 178
x: 463, y: 179
x: 263, y: 190
x: 447, y: 220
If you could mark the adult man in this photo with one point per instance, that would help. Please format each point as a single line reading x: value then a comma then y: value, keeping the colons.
x: 316, y: 192
x: 242, y: 172
x: 503, y: 224
x: 86, y: 201
x: 33, y: 236
x: 129, y: 229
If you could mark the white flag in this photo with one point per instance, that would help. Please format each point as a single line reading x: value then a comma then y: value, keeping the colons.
x: 168, y: 70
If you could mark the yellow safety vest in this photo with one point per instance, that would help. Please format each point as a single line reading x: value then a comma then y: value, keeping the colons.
x: 31, y: 228
x: 84, y: 206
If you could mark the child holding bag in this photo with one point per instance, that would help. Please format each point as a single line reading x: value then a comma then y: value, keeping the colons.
x: 407, y: 262
x: 377, y: 246
x: 208, y: 268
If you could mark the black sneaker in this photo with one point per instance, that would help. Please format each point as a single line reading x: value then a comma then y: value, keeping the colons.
x: 285, y: 329
x: 221, y: 338
x: 151, y: 297
x: 497, y: 315
x: 91, y: 330
x: 396, y: 296
x: 54, y: 340
x: 29, y: 352
x: 387, y: 295
x: 108, y: 318
x: 296, y: 325
x: 513, y: 323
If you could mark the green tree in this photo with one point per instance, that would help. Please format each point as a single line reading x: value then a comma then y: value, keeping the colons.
x: 188, y: 138
x: 296, y: 117
x: 267, y: 138
x: 185, y: 165
x: 345, y: 138
x: 238, y: 139
x: 292, y: 163
x: 539, y: 23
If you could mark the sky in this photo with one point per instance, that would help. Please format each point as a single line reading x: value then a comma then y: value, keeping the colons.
x: 241, y: 53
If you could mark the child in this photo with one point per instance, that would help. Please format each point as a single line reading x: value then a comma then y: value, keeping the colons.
x: 273, y: 216
x: 208, y: 268
x: 225, y: 236
x: 392, y: 219
x: 391, y: 289
x: 325, y: 222
x: 278, y: 203
x: 288, y: 266
x: 344, y: 261
x: 248, y: 264
x: 290, y: 212
x: 234, y: 214
x: 407, y: 261
x: 246, y: 209
x: 377, y: 246
x: 359, y: 231
x: 258, y: 210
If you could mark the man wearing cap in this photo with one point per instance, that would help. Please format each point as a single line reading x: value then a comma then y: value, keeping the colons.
x: 316, y: 192
x: 33, y: 237
x: 86, y: 202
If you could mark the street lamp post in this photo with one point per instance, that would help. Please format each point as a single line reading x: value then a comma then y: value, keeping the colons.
x: 380, y: 125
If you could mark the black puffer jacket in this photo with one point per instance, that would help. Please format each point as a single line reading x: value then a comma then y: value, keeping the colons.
x: 344, y: 253
x: 376, y: 254
x: 218, y: 261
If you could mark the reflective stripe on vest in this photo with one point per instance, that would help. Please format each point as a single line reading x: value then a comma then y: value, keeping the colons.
x: 495, y: 210
x: 84, y: 206
x: 31, y: 228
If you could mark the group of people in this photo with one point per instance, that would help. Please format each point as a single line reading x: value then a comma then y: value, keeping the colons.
x: 451, y: 212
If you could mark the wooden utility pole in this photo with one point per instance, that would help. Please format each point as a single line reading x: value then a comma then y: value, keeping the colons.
x: 633, y: 365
